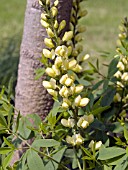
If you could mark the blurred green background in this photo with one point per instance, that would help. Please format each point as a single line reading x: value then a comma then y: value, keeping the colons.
x: 102, y: 21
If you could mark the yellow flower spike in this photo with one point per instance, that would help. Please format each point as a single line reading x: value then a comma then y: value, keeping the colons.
x: 52, y: 92
x: 43, y: 17
x: 56, y: 24
x: 49, y: 54
x: 50, y: 72
x: 44, y: 23
x: 50, y: 33
x: 78, y: 88
x: 120, y: 65
x: 62, y: 25
x: 54, y: 11
x: 67, y: 36
x: 72, y: 63
x: 48, y: 42
x: 118, y: 74
x: 63, y: 79
x: 56, y: 70
x: 56, y: 2
x: 125, y: 76
x: 83, y: 102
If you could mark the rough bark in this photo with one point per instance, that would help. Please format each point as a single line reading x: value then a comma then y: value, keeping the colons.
x: 30, y: 96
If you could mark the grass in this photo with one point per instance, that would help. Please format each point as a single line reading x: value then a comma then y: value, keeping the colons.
x: 102, y: 22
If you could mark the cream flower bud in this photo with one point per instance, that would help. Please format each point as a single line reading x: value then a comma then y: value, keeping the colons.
x: 62, y: 25
x: 47, y: 85
x: 77, y: 100
x: 77, y: 68
x: 57, y: 50
x: 48, y: 42
x: 54, y: 11
x: 44, y: 17
x: 78, y: 139
x: 118, y: 74
x: 69, y: 50
x: 125, y: 76
x: 40, y: 2
x: 56, y: 70
x: 67, y: 36
x: 79, y: 88
x: 56, y: 2
x: 68, y: 82
x: 72, y: 63
x: 64, y: 92
x: 53, y: 83
x: 49, y: 54
x: 58, y: 61
x: 119, y: 84
x: 78, y: 37
x: 81, y: 28
x: 70, y: 140
x: 120, y: 65
x: 52, y: 92
x: 63, y: 79
x: 84, y: 102
x: 124, y: 61
x: 50, y: 72
x: 65, y: 105
x: 82, y: 123
x: 50, y: 32
x: 44, y: 23
x: 56, y: 24
x: 97, y: 145
x: 68, y: 123
x: 47, y: 2
x: 86, y: 57
x: 83, y: 13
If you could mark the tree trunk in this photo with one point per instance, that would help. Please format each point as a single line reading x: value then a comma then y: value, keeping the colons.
x: 30, y: 96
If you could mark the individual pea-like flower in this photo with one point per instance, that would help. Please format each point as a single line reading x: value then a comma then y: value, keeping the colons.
x: 120, y: 85
x: 66, y: 103
x: 72, y: 64
x: 67, y: 36
x: 52, y: 92
x: 50, y: 32
x: 56, y: 70
x: 56, y: 2
x: 47, y: 2
x: 56, y: 24
x: 118, y: 74
x: 44, y: 23
x: 66, y: 80
x: 58, y: 61
x: 76, y: 139
x: 81, y: 102
x: 44, y: 16
x: 79, y: 88
x: 120, y: 65
x: 54, y: 11
x: 50, y: 84
x: 50, y: 72
x: 97, y: 145
x: 48, y: 42
x: 49, y: 54
x: 62, y: 25
x: 85, y: 120
x: 77, y: 68
x: 125, y: 76
x: 64, y: 92
x: 62, y: 51
x: 85, y: 57
x: 124, y: 60
x: 68, y: 122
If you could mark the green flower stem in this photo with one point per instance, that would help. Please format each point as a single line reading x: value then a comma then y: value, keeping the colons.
x: 78, y: 162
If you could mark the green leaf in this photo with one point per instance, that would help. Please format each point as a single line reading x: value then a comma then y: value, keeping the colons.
x: 7, y: 160
x: 97, y: 85
x: 10, y: 115
x: 8, y: 143
x: 51, y: 165
x: 111, y: 152
x: 5, y: 150
x: 3, y: 121
x: 17, y: 121
x: 45, y: 143
x: 39, y: 73
x: 93, y: 67
x: 34, y: 161
x: 107, y: 168
x: 99, y: 110
x: 86, y: 152
x: 113, y: 67
x: 126, y: 133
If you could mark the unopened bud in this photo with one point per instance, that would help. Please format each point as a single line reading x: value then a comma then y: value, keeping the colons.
x: 44, y: 23
x: 50, y: 32
x: 48, y: 42
x: 62, y: 25
x: 67, y: 36
x: 54, y: 11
